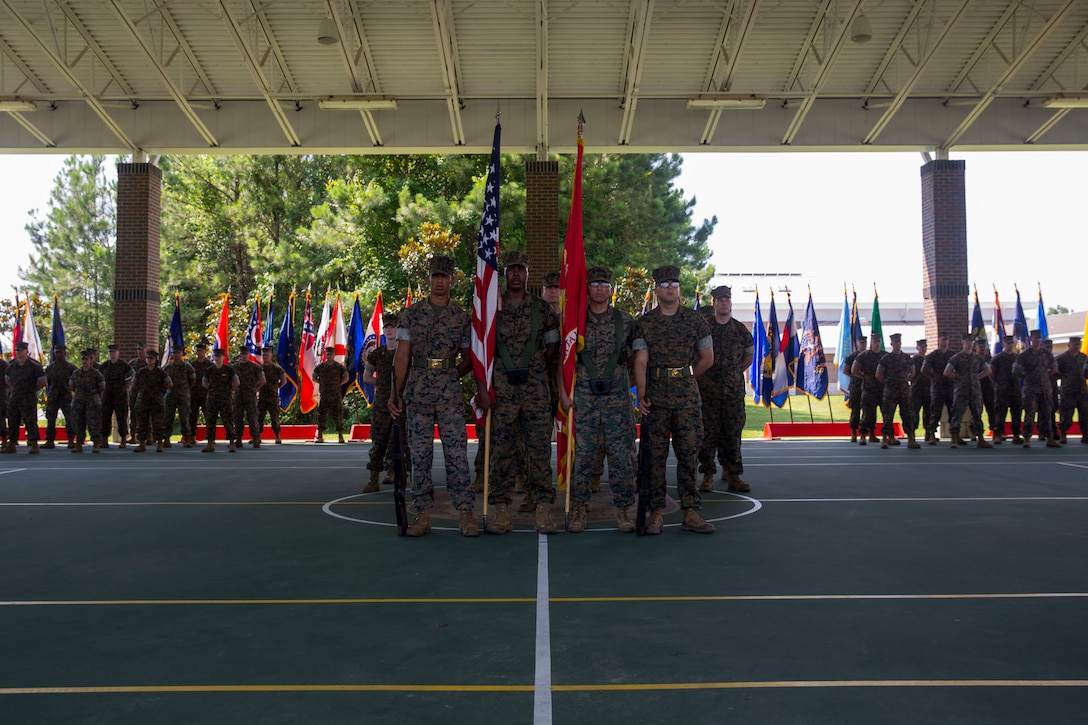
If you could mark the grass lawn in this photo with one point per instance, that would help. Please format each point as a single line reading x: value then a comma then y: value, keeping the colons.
x: 804, y: 410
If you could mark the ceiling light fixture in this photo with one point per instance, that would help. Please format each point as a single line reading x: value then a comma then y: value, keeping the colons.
x: 16, y: 104
x: 861, y: 31
x: 711, y: 102
x: 1066, y: 102
x: 355, y: 103
x: 327, y: 33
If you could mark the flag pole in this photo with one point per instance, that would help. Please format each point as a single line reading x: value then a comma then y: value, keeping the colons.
x: 810, y: 418
x: 570, y: 466
x: 487, y: 460
x: 789, y: 402
x: 829, y: 409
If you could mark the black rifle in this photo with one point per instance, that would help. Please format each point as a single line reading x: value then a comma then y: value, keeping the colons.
x: 643, y: 476
x: 398, y: 469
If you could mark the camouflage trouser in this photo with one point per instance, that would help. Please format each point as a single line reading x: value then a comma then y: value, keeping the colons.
x: 3, y: 413
x: 132, y: 394
x: 686, y: 428
x: 521, y: 455
x: 871, y: 400
x: 115, y: 401
x: 854, y: 404
x: 919, y: 405
x: 270, y: 406
x: 960, y: 403
x: 897, y: 398
x: 420, y: 423
x: 723, y: 423
x: 215, y: 408
x: 58, y: 401
x: 988, y: 396
x: 1004, y: 402
x: 23, y: 410
x: 1041, y: 403
x: 333, y: 406
x: 149, y: 408
x: 87, y: 414
x: 939, y: 399
x: 197, y: 402
x: 175, y: 405
x: 604, y: 425
x: 245, y: 411
x: 526, y: 414
x: 1075, y: 401
x: 381, y: 433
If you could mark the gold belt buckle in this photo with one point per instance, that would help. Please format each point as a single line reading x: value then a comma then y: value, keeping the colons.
x: 676, y: 372
x: 435, y: 363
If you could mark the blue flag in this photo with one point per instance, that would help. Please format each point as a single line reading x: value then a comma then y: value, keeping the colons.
x: 356, y: 363
x: 770, y: 360
x: 978, y: 325
x: 845, y: 345
x: 813, y: 375
x: 1041, y: 315
x: 1020, y: 324
x: 785, y: 366
x: 177, y: 335
x: 58, y: 330
x: 762, y: 348
x: 269, y: 323
x: 287, y: 356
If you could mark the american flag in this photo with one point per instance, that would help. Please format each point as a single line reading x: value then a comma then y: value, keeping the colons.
x: 485, y: 294
x: 254, y: 336
x: 308, y: 360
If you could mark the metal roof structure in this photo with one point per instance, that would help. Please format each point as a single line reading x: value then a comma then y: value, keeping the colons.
x: 428, y: 76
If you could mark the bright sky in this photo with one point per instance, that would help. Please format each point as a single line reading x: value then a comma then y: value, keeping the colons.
x: 834, y: 217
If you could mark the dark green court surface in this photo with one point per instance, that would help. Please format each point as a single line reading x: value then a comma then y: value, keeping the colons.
x: 853, y: 585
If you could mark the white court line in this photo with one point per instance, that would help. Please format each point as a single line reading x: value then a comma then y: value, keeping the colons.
x: 1013, y: 499
x: 920, y: 462
x: 1074, y: 465
x: 542, y: 692
x: 12, y: 470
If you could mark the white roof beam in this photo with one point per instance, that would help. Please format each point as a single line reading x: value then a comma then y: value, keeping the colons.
x: 257, y: 11
x: 806, y: 46
x: 730, y: 67
x: 1012, y: 70
x: 30, y: 76
x: 99, y: 53
x: 640, y: 19
x: 33, y: 130
x: 186, y: 49
x: 542, y: 140
x: 896, y: 46
x: 446, y: 40
x: 350, y: 67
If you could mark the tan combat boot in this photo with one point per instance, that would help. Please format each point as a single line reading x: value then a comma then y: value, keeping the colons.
x: 1050, y: 443
x: 983, y: 443
x: 374, y: 486
x: 735, y: 484
x: 94, y: 449
x: 232, y: 448
x: 159, y: 448
x: 911, y: 443
x: 884, y: 441
x: 187, y: 441
x: 8, y: 447
x: 279, y: 441
x: 422, y: 524
x: 468, y: 525
x: 388, y: 478
x: 654, y: 524
x: 49, y: 444
x: 208, y: 448
x: 694, y: 522
x: 501, y: 523
x: 577, y: 522
x: 34, y: 447
x: 256, y: 443
x: 1026, y: 441
x: 544, y: 523
x: 78, y: 448
x: 623, y: 521
x: 707, y: 484
x: 956, y: 440
x: 595, y: 483
x: 140, y: 447
x: 341, y: 437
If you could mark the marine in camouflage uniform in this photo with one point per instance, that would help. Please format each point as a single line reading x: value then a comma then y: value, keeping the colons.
x: 432, y: 333
x: 137, y: 364
x: 722, y: 391
x: 86, y: 386
x: 679, y: 348
x: 986, y: 385
x: 183, y: 377
x: 965, y: 369
x: 3, y: 406
x: 151, y: 385
x: 199, y: 394
x: 268, y: 397
x: 378, y: 371
x: 872, y: 391
x: 1072, y: 368
x: 919, y: 390
x: 24, y: 377
x: 118, y: 375
x: 526, y: 341
x: 58, y: 399
x: 1007, y: 394
x: 220, y: 381
x: 330, y: 376
x: 896, y: 371
x: 604, y: 422
x: 853, y: 401
x: 940, y: 387
x: 1055, y: 393
x: 250, y: 379
x: 1035, y: 366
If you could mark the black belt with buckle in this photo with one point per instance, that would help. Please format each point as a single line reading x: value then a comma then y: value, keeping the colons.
x: 672, y: 373
x: 434, y: 363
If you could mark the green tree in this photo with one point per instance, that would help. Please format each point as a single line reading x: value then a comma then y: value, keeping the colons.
x: 73, y: 255
x: 1058, y: 310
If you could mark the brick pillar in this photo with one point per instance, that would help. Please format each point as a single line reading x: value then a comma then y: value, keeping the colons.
x: 136, y: 268
x: 944, y: 249
x: 542, y: 219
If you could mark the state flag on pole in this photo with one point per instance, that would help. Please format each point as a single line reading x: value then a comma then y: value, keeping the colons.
x: 845, y: 346
x: 222, y: 330
x: 485, y: 288
x: 572, y: 300
x: 762, y: 349
x: 1020, y: 324
x: 770, y: 360
x: 812, y: 377
x: 785, y: 362
x: 978, y: 325
x: 999, y: 325
x: 30, y: 334
x: 875, y: 327
x: 175, y: 337
x: 287, y: 355
x: 356, y: 357
x: 17, y: 327
x: 308, y: 360
x: 57, y: 335
x: 253, y: 332
x: 1041, y: 316
x: 337, y: 337
x: 323, y: 330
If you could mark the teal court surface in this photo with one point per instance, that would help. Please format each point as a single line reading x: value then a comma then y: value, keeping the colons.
x: 852, y: 585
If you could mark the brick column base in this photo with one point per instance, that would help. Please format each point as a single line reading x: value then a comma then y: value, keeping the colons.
x: 136, y: 295
x: 944, y: 249
x: 542, y: 219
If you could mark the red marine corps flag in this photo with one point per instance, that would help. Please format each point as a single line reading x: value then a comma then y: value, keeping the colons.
x: 572, y: 300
